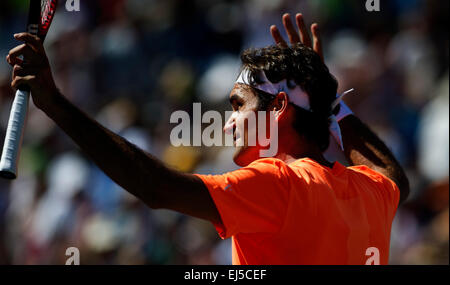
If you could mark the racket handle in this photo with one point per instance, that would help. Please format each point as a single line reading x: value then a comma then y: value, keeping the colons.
x: 14, y: 134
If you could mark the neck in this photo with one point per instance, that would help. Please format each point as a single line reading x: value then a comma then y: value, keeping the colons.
x: 291, y: 149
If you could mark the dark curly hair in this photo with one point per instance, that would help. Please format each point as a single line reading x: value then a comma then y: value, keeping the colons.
x: 302, y: 65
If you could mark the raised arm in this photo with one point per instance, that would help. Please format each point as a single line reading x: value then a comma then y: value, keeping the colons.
x: 361, y: 145
x: 136, y: 171
x: 364, y: 147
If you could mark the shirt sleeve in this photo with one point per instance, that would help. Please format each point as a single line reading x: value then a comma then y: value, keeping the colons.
x: 252, y: 199
x: 386, y: 188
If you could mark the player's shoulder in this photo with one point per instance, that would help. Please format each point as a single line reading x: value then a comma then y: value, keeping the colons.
x: 298, y: 168
x: 268, y: 165
x: 380, y: 181
x: 374, y: 176
x: 363, y: 170
x: 276, y: 162
x: 268, y: 161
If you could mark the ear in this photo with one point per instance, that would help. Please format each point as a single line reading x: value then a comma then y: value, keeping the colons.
x: 279, y: 105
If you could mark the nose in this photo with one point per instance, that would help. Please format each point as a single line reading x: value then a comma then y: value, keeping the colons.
x: 230, y: 124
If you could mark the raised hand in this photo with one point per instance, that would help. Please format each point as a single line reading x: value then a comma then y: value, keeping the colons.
x: 299, y: 35
x: 34, y: 70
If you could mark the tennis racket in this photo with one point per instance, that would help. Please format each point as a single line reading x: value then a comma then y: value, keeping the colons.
x: 40, y: 16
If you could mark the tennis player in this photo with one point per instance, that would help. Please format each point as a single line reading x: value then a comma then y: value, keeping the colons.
x: 293, y: 208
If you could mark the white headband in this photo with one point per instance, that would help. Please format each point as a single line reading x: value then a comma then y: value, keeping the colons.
x: 296, y: 96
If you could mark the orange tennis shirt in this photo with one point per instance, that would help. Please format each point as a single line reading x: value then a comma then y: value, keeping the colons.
x: 304, y: 213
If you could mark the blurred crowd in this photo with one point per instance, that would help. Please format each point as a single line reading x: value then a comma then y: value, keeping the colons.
x: 131, y: 63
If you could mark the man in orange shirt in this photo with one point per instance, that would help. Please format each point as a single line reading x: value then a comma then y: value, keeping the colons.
x: 293, y: 208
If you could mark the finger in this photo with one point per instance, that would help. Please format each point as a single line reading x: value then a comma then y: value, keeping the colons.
x: 17, y: 71
x: 24, y: 71
x: 317, y: 42
x: 17, y: 50
x: 32, y: 40
x: 277, y: 36
x: 290, y: 30
x: 14, y: 60
x: 19, y: 80
x: 30, y: 57
x: 304, y: 35
x: 26, y: 51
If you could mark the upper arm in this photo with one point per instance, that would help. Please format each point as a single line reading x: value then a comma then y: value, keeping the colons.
x: 187, y: 194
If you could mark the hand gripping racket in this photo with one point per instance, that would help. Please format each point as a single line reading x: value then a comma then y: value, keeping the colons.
x: 40, y: 16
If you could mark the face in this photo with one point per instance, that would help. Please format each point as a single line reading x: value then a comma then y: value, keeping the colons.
x: 243, y: 124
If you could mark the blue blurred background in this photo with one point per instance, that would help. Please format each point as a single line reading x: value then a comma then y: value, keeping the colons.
x: 131, y: 63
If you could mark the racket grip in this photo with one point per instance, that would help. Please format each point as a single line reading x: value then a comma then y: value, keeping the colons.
x: 14, y: 134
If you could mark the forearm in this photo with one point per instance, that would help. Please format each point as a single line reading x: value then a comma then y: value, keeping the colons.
x: 130, y: 167
x: 136, y: 171
x: 363, y: 147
